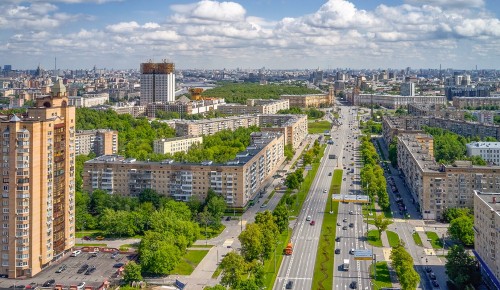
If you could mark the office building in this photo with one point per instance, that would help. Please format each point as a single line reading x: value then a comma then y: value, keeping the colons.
x: 255, y: 106
x: 100, y: 142
x: 38, y: 197
x: 436, y: 187
x: 487, y: 235
x: 408, y: 89
x: 467, y: 91
x: 173, y: 145
x: 157, y: 82
x: 239, y: 181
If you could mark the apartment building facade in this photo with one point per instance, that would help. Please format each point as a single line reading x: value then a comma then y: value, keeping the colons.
x: 487, y: 235
x: 255, y: 106
x: 173, y: 145
x: 89, y: 100
x: 212, y: 126
x: 157, y: 82
x: 474, y: 102
x: 489, y: 151
x: 293, y: 127
x: 100, y: 142
x: 239, y: 180
x: 436, y: 187
x: 395, y: 101
x: 38, y: 192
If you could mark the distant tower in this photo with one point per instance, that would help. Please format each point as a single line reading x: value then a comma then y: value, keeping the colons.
x: 157, y: 82
x: 331, y: 95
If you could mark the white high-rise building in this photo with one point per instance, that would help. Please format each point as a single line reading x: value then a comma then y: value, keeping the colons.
x: 157, y: 82
x: 408, y: 89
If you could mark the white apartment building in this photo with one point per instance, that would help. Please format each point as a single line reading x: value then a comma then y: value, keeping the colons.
x: 89, y: 100
x: 487, y: 235
x: 157, y: 82
x: 489, y: 151
x: 173, y: 145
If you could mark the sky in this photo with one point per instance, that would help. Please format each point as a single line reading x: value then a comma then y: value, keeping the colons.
x: 249, y: 34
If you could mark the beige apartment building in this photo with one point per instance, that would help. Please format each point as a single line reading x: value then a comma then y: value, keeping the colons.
x: 101, y: 142
x: 255, y: 106
x: 436, y: 187
x: 487, y: 236
x: 293, y: 127
x: 310, y: 100
x: 395, y: 101
x: 239, y: 180
x: 173, y: 145
x: 89, y: 100
x: 38, y: 195
x: 212, y: 126
x: 474, y: 102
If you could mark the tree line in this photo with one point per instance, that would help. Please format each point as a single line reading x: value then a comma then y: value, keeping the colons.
x: 240, y: 92
x: 372, y: 175
x: 402, y: 263
x: 312, y: 113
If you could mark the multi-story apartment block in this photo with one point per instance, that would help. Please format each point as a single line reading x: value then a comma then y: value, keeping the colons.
x: 434, y: 110
x: 487, y: 235
x: 310, y: 100
x: 436, y: 187
x: 127, y: 108
x: 467, y: 91
x: 255, y: 106
x: 239, y: 180
x: 293, y: 127
x: 489, y: 151
x: 185, y: 106
x: 89, y: 100
x: 394, y: 101
x: 474, y: 102
x: 393, y: 126
x: 212, y: 126
x: 173, y: 145
x: 407, y: 89
x: 157, y: 82
x: 101, y: 142
x: 38, y: 192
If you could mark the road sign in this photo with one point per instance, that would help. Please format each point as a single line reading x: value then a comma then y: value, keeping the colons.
x: 351, y: 198
x: 363, y: 254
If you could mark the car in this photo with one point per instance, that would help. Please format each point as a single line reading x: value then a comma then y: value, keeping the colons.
x: 337, y: 239
x: 353, y: 285
x: 62, y: 268
x: 312, y: 223
x: 344, y: 220
x: 118, y: 265
x: 351, y: 251
x: 82, y: 269
x: 80, y: 285
x: 76, y: 253
x: 93, y: 254
x: 337, y: 251
x: 289, y: 285
x: 351, y: 225
x: 338, y: 224
x: 351, y: 212
x: 308, y: 218
x: 344, y: 179
x: 432, y: 276
x: 228, y: 218
x: 435, y: 283
x: 17, y: 286
x: 114, y: 255
x: 99, y: 238
x: 87, y: 238
x: 90, y: 270
x: 344, y: 227
x: 428, y: 269
x: 32, y: 285
x: 49, y: 283
x: 329, y: 174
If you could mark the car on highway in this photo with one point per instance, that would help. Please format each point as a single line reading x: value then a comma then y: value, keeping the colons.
x: 428, y: 269
x: 337, y: 239
x: 353, y: 285
x: 329, y: 174
x: 344, y: 227
x: 432, y: 276
x: 351, y: 251
x: 312, y: 223
x: 351, y: 225
x: 344, y: 220
x: 351, y: 212
x: 49, y: 283
x: 324, y: 190
x: 337, y: 251
x: 338, y: 223
x: 62, y: 268
x: 435, y: 283
x: 308, y: 218
x: 289, y: 285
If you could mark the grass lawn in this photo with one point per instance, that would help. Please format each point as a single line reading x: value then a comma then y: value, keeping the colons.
x: 435, y: 240
x: 91, y: 245
x: 417, y: 239
x: 189, y: 262
x: 374, y: 238
x: 217, y: 272
x: 210, y: 232
x: 319, y: 127
x: 323, y: 269
x: 202, y: 246
x: 269, y: 264
x: 393, y: 238
x: 82, y: 234
x: 383, y: 278
x: 269, y: 197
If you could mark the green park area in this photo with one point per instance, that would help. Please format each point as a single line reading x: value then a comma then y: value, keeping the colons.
x: 319, y: 127
x: 383, y: 278
x: 189, y: 261
x: 434, y: 240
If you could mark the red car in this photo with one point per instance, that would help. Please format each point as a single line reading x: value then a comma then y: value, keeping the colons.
x: 312, y: 223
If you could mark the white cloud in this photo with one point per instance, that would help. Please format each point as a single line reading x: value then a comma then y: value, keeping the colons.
x: 123, y: 27
x: 211, y: 10
x: 448, y: 3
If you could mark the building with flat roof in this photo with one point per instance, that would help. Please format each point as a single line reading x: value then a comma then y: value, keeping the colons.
x: 436, y: 187
x: 489, y: 151
x: 255, y: 106
x: 177, y: 144
x: 474, y: 102
x: 89, y: 100
x: 238, y: 181
x: 407, y: 89
x: 100, y: 142
x: 487, y: 235
x: 38, y: 204
x: 293, y: 127
x: 157, y: 82
x: 395, y: 101
x: 185, y: 106
x: 311, y: 100
x: 212, y: 126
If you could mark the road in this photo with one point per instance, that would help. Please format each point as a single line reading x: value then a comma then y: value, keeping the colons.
x: 299, y: 267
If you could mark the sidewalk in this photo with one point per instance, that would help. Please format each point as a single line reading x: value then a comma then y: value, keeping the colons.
x: 392, y: 273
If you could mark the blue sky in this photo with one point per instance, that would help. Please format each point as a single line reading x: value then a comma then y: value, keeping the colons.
x: 251, y: 33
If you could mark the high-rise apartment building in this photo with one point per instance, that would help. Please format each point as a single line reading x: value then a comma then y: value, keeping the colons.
x: 408, y: 89
x: 38, y: 185
x: 101, y: 142
x: 157, y: 82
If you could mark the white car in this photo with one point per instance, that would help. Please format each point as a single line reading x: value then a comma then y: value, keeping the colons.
x: 308, y: 218
x: 76, y: 253
x: 81, y: 285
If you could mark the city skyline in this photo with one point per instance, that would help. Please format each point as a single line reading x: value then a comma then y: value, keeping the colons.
x: 281, y: 34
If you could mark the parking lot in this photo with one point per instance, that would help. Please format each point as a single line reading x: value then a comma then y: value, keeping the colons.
x: 102, y: 262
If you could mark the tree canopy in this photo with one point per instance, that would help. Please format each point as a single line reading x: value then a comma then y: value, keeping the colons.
x: 312, y: 113
x: 461, y: 267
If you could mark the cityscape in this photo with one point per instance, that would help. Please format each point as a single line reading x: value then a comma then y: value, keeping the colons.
x: 218, y: 145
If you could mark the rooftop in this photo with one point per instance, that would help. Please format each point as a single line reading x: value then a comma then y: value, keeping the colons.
x: 484, y: 145
x: 491, y: 199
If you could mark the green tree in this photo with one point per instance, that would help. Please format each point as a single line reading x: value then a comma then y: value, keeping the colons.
x: 266, y: 221
x: 215, y: 287
x: 408, y: 277
x: 216, y: 206
x: 158, y: 255
x: 461, y: 267
x: 381, y: 223
x: 281, y: 215
x: 453, y: 213
x: 251, y: 242
x: 393, y: 152
x: 132, y: 272
x: 233, y: 268
x: 150, y: 195
x: 118, y: 223
x: 462, y: 229
x: 289, y: 152
x: 205, y: 218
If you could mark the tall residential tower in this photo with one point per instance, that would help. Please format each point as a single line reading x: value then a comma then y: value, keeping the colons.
x: 38, y: 193
x: 157, y: 82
